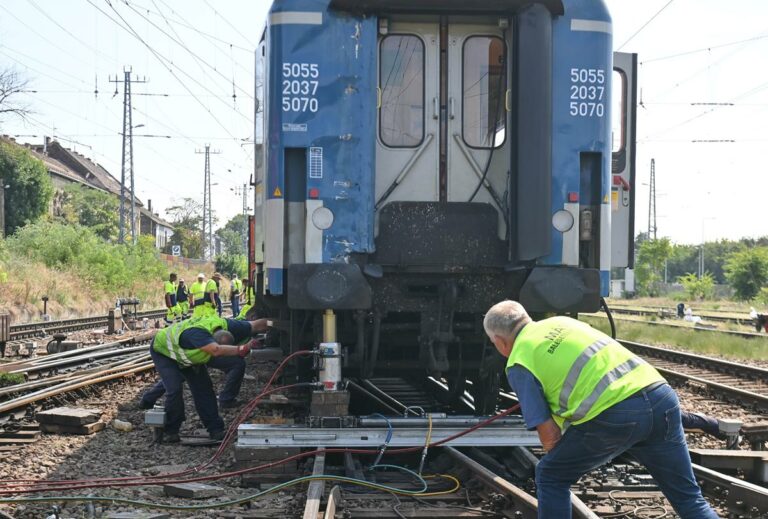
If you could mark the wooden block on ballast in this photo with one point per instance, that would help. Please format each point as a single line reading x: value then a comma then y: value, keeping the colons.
x: 90, y: 428
x: 69, y: 416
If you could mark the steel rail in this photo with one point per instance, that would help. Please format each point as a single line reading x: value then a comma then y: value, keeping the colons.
x: 37, y: 329
x: 739, y: 372
x: 39, y: 326
x: 79, y: 382
x: 744, y: 335
x: 720, y: 365
x: 673, y: 312
x: 741, y: 497
x: 21, y: 365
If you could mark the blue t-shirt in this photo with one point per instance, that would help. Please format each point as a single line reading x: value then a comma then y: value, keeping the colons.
x: 530, y: 394
x: 194, y: 338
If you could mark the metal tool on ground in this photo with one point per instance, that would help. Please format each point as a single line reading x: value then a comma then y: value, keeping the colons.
x: 59, y: 343
x: 155, y: 418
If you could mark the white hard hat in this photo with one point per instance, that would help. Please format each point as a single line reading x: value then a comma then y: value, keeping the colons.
x: 201, y: 275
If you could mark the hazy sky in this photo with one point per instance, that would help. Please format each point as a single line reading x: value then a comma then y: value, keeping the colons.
x: 703, y: 78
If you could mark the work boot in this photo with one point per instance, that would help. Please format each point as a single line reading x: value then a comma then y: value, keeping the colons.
x: 229, y: 404
x: 171, y: 438
x: 145, y: 405
x: 217, y: 435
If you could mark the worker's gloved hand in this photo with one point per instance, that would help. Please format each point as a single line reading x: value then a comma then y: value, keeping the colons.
x: 256, y: 343
x: 244, y: 349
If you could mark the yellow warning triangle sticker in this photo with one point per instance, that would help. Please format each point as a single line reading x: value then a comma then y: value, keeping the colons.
x: 277, y: 192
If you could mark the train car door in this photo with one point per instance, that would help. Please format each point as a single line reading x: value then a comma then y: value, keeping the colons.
x: 477, y: 115
x: 443, y: 111
x: 624, y: 114
x: 409, y: 113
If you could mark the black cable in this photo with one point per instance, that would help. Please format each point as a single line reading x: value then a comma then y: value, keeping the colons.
x: 610, y: 317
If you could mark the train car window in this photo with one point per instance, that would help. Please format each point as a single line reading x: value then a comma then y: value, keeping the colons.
x: 401, y: 79
x: 618, y: 111
x: 484, y: 123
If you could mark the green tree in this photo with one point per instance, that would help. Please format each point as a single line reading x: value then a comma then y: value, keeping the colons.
x: 698, y: 287
x: 233, y: 235
x: 747, y: 271
x: 29, y: 190
x: 229, y: 263
x: 187, y: 220
x: 649, y: 266
x: 91, y: 208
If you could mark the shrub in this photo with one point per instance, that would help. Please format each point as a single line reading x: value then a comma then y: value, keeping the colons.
x: 698, y: 287
x: 747, y: 272
x: 115, y: 268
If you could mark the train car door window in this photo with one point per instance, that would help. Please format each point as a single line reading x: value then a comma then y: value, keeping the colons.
x: 618, y: 111
x: 484, y: 87
x: 401, y: 78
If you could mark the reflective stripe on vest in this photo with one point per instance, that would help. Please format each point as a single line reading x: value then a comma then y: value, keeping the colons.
x: 582, y: 371
x: 608, y: 379
x: 575, y: 372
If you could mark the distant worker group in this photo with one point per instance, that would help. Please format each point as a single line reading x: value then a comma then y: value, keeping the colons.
x: 203, y: 298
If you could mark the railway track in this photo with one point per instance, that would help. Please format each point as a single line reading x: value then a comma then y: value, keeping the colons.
x: 739, y: 383
x: 60, y: 373
x: 670, y: 313
x: 695, y: 328
x: 41, y: 329
x: 616, y: 490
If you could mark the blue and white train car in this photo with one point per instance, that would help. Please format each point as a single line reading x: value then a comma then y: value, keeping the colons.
x: 420, y: 160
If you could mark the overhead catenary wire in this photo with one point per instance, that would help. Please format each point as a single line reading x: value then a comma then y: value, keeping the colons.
x: 704, y: 49
x: 638, y: 31
x: 88, y: 46
x: 194, y: 55
x: 163, y: 61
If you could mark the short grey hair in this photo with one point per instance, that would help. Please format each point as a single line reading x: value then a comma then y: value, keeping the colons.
x: 505, y: 319
x: 223, y: 337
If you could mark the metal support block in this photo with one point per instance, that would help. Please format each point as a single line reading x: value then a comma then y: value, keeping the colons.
x: 251, y: 435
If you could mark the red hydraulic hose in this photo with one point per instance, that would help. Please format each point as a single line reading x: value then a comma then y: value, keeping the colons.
x: 230, y: 434
x: 166, y: 478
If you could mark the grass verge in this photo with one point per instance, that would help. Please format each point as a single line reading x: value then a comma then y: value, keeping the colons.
x: 710, y: 343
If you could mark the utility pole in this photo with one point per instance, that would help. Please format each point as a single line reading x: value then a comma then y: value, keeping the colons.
x: 244, y: 192
x: 207, y: 233
x: 652, y: 203
x: 126, y: 174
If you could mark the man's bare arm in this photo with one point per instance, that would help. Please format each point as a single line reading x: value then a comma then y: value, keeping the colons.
x: 549, y: 434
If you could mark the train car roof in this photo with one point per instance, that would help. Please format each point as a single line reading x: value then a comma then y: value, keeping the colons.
x: 440, y: 6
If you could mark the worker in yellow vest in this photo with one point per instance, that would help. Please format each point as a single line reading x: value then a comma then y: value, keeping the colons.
x: 197, y: 293
x: 173, y: 310
x: 250, y: 300
x: 590, y: 399
x: 235, y: 294
x: 182, y: 299
x: 211, y: 299
x: 184, y: 351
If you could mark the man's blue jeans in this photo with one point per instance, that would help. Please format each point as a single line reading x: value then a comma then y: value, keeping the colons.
x: 233, y: 367
x: 235, y: 306
x: 647, y: 425
x: 200, y: 385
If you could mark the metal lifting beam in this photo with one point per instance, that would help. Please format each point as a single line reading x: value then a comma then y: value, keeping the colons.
x: 510, y: 433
